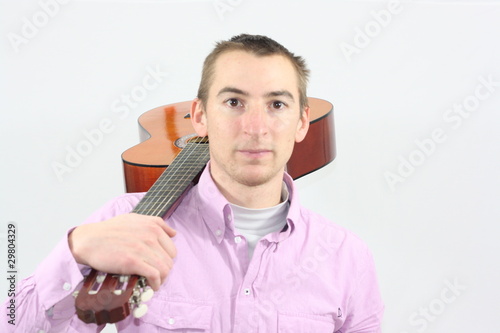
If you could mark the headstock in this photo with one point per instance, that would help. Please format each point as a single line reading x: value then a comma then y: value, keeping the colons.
x: 109, y: 298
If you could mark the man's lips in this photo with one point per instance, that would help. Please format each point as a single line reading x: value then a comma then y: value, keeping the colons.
x: 255, y: 153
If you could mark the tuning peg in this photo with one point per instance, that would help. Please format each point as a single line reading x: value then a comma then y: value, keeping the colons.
x: 100, y: 277
x: 140, y: 310
x: 142, y: 282
x: 124, y: 278
x: 147, y: 294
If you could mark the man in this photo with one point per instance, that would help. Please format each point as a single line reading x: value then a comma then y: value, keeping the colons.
x: 239, y: 254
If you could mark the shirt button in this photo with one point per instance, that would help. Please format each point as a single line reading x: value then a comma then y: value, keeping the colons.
x: 246, y: 291
x: 218, y: 232
x: 229, y: 218
x: 66, y: 286
x: 237, y: 239
x: 171, y: 321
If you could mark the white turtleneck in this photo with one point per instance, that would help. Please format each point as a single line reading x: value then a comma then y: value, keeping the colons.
x: 254, y: 224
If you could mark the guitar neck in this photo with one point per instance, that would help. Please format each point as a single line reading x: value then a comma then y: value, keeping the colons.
x: 108, y: 298
x: 162, y: 197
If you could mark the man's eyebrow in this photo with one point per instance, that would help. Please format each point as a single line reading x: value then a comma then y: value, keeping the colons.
x: 244, y: 93
x: 232, y: 90
x: 280, y: 93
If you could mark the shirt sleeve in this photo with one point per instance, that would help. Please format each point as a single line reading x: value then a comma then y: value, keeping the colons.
x: 365, y: 304
x: 44, y: 302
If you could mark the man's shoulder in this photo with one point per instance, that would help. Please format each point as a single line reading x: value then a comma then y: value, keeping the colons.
x: 125, y: 201
x: 314, y: 220
x: 121, y: 204
x: 332, y: 231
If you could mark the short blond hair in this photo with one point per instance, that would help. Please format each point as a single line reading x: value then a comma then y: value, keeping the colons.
x: 259, y: 46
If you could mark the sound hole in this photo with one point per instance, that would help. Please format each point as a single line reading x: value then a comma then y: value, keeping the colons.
x: 182, y: 141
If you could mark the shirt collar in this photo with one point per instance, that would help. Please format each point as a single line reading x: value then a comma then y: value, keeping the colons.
x: 217, y: 214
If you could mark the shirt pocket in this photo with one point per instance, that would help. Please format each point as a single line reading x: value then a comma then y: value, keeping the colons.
x: 178, y: 316
x: 305, y: 323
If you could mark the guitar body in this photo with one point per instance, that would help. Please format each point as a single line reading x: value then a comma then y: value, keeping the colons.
x: 165, y: 129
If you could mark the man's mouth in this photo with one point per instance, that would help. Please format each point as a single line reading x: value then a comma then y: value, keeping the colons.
x: 255, y: 153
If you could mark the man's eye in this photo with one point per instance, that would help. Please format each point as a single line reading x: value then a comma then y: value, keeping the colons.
x: 233, y: 102
x: 278, y: 105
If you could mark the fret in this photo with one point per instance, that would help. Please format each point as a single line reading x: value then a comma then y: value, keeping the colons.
x: 174, y: 181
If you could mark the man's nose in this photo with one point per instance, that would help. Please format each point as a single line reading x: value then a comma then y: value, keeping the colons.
x: 256, y: 121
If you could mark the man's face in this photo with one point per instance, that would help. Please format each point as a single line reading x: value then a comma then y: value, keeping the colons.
x: 252, y: 117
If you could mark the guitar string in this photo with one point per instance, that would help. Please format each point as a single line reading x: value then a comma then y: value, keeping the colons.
x: 166, y: 187
x: 158, y: 189
x: 198, y: 149
x: 182, y: 180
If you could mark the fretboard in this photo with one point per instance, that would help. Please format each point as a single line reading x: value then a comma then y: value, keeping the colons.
x: 175, y: 180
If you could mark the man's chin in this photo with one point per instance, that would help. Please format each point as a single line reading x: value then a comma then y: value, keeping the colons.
x: 256, y: 175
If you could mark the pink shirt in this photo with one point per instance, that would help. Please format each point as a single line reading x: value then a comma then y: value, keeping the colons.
x: 313, y: 276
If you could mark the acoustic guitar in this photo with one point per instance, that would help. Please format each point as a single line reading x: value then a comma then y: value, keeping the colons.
x: 166, y: 164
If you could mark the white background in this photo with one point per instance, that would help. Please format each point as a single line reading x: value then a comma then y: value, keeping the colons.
x: 435, y: 226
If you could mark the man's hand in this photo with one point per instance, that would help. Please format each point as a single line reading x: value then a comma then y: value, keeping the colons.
x: 126, y: 244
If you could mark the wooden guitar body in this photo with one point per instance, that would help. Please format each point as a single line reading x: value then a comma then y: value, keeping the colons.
x: 163, y: 131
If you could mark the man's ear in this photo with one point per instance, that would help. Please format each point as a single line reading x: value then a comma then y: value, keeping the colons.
x: 303, y: 125
x: 199, y: 118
